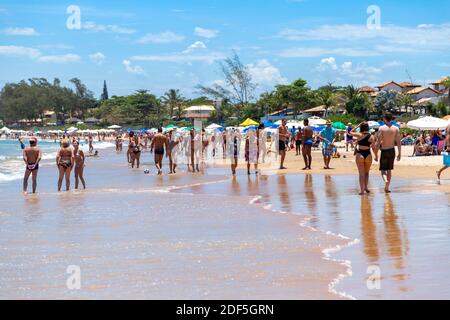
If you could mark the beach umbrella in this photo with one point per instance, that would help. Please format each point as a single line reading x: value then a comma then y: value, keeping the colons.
x: 115, y: 127
x: 248, y: 129
x: 5, y: 130
x: 71, y: 129
x: 318, y: 128
x: 339, y: 126
x: 268, y: 124
x: 428, y: 123
x: 373, y: 125
x: 294, y: 125
x: 213, y: 126
x: 395, y: 124
x: 221, y: 129
x: 316, y: 121
x: 446, y: 118
x: 248, y: 123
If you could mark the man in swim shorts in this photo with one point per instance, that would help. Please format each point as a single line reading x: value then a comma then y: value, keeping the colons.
x: 388, y: 137
x: 283, y: 135
x: 328, y: 137
x: 31, y: 156
x: 307, y: 144
x: 159, y: 142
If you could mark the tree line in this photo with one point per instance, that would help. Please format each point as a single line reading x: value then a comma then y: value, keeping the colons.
x: 30, y: 99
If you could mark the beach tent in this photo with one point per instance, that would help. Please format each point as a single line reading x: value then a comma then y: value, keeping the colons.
x: 115, y: 127
x: 248, y: 123
x: 213, y: 126
x: 316, y: 121
x: 71, y: 129
x: 373, y: 125
x: 339, y: 126
x: 5, y: 130
x: 428, y: 123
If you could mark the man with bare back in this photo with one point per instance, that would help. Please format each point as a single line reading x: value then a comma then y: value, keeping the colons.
x: 159, y: 144
x: 31, y: 156
x: 388, y: 138
x: 307, y: 144
x: 283, y: 135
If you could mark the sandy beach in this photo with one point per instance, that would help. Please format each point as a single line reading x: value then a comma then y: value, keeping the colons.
x: 283, y: 235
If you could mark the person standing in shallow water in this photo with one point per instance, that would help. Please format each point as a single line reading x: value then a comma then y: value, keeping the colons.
x: 79, y: 165
x: 363, y: 155
x: 31, y: 156
x: 307, y: 144
x: 388, y: 137
x: 159, y: 144
x: 64, y: 161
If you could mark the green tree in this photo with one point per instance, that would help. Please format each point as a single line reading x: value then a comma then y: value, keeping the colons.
x: 105, y: 95
x: 173, y: 102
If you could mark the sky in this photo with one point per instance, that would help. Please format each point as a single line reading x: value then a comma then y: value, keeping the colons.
x: 160, y: 45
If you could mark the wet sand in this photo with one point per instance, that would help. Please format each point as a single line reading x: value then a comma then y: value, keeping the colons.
x: 211, y: 237
x: 134, y: 239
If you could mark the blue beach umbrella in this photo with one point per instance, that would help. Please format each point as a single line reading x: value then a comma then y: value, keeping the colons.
x: 268, y: 124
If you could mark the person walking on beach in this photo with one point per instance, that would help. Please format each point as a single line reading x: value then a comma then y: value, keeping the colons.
x: 307, y: 144
x: 349, y: 137
x: 119, y: 144
x: 388, y: 137
x: 283, y: 136
x: 79, y: 165
x: 328, y: 137
x: 234, y: 150
x: 365, y: 142
x: 31, y: 156
x: 135, y: 151
x: 158, y: 144
x: 91, y: 145
x: 64, y: 162
x: 447, y: 147
x: 174, y: 146
x: 298, y: 141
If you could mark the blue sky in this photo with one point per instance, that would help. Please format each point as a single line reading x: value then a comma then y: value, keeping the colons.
x: 159, y: 45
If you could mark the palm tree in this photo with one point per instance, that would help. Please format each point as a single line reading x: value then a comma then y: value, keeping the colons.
x: 406, y: 100
x: 446, y: 83
x: 173, y: 101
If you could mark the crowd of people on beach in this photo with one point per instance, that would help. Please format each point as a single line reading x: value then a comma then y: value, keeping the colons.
x: 196, y: 146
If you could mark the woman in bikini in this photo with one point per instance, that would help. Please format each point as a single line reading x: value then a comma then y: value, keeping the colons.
x: 64, y: 161
x: 79, y: 165
x: 363, y: 155
x: 135, y: 151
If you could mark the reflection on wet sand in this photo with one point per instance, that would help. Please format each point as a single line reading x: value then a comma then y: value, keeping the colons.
x: 369, y: 231
x: 310, y: 197
x: 397, y: 245
x: 283, y: 193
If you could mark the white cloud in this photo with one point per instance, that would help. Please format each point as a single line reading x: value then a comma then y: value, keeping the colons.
x: 181, y: 58
x: 97, y: 58
x: 393, y: 64
x: 206, y: 33
x: 327, y: 64
x: 198, y: 45
x: 35, y: 54
x: 317, y: 52
x: 65, y: 58
x: 264, y: 73
x: 17, y: 51
x: 390, y: 38
x: 26, y: 32
x: 133, y: 69
x: 92, y: 26
x: 347, y: 69
x: 161, y: 38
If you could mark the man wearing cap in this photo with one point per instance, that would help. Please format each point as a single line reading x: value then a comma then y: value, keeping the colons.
x: 349, y: 137
x: 328, y: 137
x: 31, y: 156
